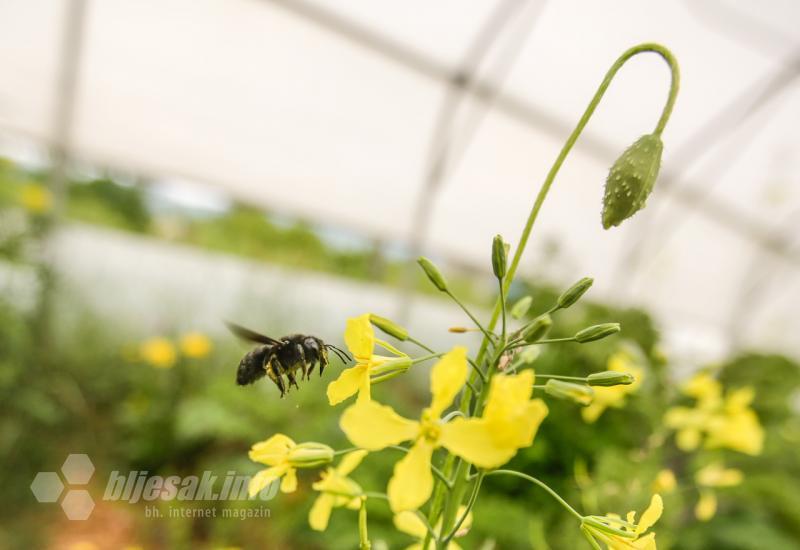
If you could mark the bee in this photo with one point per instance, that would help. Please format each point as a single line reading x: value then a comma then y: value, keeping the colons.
x: 276, y: 358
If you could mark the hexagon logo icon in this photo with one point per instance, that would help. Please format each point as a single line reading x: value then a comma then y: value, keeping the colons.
x: 49, y: 487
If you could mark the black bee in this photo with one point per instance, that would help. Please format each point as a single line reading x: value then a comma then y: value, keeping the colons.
x: 286, y: 356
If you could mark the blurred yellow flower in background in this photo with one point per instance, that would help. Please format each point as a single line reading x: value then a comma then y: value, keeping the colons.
x: 727, y: 422
x: 714, y: 475
x: 618, y: 534
x: 36, y: 198
x: 337, y: 490
x: 158, y: 352
x: 410, y: 523
x: 511, y: 421
x: 195, y: 345
x: 359, y: 337
x: 706, y: 507
x: 614, y: 396
x: 665, y: 481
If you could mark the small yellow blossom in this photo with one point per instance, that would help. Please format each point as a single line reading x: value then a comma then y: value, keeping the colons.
x: 613, y: 396
x: 195, y: 345
x: 509, y: 422
x: 360, y: 339
x: 159, y: 352
x: 617, y: 534
x: 726, y: 423
x: 665, y: 481
x: 284, y: 456
x: 36, y: 198
x: 410, y: 523
x: 717, y: 475
x: 706, y: 507
x: 336, y: 491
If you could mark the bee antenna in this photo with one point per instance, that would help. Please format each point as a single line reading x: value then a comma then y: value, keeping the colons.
x: 341, y: 354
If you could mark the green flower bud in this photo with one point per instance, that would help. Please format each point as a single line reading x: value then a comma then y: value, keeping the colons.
x: 310, y: 455
x: 499, y: 257
x: 610, y: 378
x: 597, y: 332
x: 631, y: 180
x: 578, y: 393
x: 522, y: 306
x: 574, y: 293
x: 537, y: 329
x: 433, y: 273
x: 389, y: 327
x: 397, y: 364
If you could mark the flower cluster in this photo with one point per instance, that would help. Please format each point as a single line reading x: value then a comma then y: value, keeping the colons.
x: 715, y: 420
x: 162, y: 353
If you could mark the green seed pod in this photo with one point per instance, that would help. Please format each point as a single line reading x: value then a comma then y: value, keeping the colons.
x: 537, y: 329
x: 574, y: 293
x: 610, y: 378
x: 389, y: 327
x: 499, y: 257
x: 631, y: 180
x: 522, y: 306
x: 597, y: 332
x: 578, y: 393
x: 310, y: 455
x: 433, y: 273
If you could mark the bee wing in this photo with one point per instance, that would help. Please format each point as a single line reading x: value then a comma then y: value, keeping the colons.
x: 247, y: 334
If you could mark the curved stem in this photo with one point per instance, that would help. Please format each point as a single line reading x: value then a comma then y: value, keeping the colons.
x: 541, y: 484
x: 470, y: 503
x: 486, y: 333
x: 420, y: 344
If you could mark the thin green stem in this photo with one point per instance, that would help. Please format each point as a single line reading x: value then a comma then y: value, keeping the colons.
x: 420, y: 344
x: 478, y: 324
x: 477, y: 369
x: 344, y: 451
x: 541, y: 484
x: 559, y: 377
x: 363, y: 535
x: 470, y: 503
x: 373, y: 494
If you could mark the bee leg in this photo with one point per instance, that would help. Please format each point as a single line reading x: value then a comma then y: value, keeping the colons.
x: 303, y: 364
x: 274, y: 374
x: 323, y: 359
x: 288, y: 372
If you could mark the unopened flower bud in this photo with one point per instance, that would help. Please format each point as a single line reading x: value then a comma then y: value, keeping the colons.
x: 610, y: 378
x: 537, y: 329
x: 499, y: 257
x: 578, y: 393
x: 310, y: 455
x: 522, y: 306
x: 457, y: 330
x: 389, y: 327
x: 597, y: 332
x: 433, y: 273
x: 397, y: 364
x: 631, y: 180
x: 574, y: 293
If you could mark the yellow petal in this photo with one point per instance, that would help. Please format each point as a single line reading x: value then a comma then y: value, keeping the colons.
x: 651, y: 515
x: 360, y: 337
x: 273, y: 450
x: 472, y: 440
x: 706, y: 507
x: 373, y: 426
x: 592, y: 412
x: 412, y: 482
x: 349, y: 382
x: 350, y: 462
x: 647, y: 542
x: 688, y: 439
x: 320, y: 512
x: 409, y: 523
x: 264, y: 478
x: 289, y: 481
x: 507, y: 393
x: 447, y: 378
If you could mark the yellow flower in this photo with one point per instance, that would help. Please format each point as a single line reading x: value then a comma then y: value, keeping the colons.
x: 337, y: 490
x: 726, y: 423
x: 360, y: 339
x: 613, y: 396
x: 510, y: 421
x: 36, y: 198
x: 617, y: 534
x: 159, y: 352
x: 665, y: 481
x: 195, y: 345
x: 706, y: 507
x: 410, y: 523
x: 284, y: 456
x: 717, y: 475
